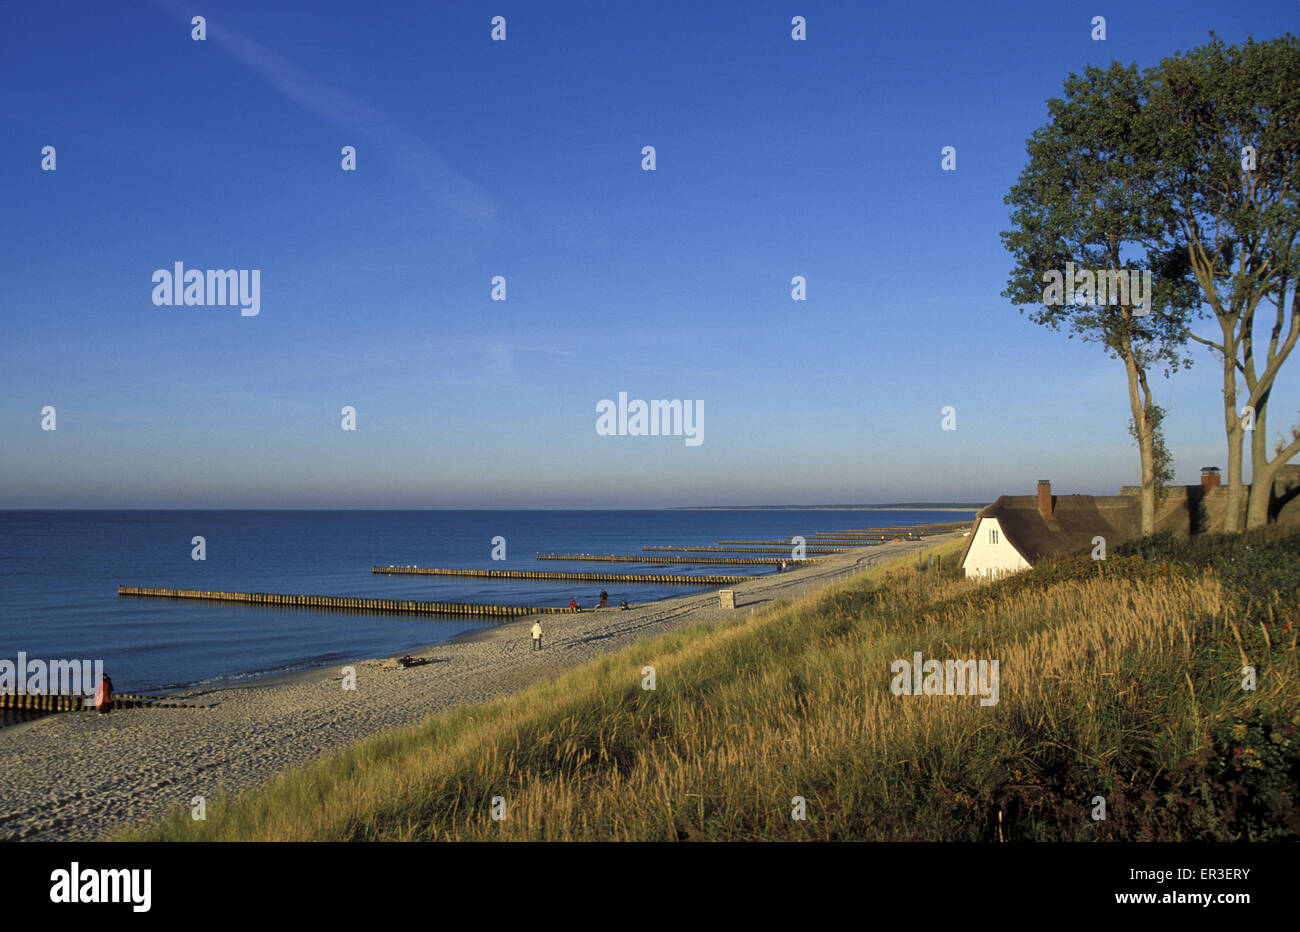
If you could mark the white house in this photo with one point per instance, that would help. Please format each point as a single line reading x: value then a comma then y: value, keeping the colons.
x: 989, y: 552
x: 1020, y: 531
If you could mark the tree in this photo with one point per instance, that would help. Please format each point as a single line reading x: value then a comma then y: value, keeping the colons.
x: 1228, y: 167
x: 1263, y: 470
x: 1088, y: 197
x: 1163, y: 465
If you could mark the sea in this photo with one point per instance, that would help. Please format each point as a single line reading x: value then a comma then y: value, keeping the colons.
x: 59, y: 573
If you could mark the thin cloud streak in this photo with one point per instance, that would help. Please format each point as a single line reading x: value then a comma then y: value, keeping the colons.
x: 410, y: 155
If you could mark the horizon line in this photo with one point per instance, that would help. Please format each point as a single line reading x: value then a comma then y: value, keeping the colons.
x: 902, y: 506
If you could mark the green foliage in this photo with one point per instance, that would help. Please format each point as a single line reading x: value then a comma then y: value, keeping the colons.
x: 1088, y: 195
x: 1235, y: 229
x: 1163, y: 460
x: 1261, y: 567
x: 1241, y: 787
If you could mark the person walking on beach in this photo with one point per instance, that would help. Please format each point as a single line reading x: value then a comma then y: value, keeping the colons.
x: 537, y: 635
x: 604, y: 598
x: 104, y: 695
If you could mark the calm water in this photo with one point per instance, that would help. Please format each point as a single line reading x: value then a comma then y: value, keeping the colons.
x: 59, y: 573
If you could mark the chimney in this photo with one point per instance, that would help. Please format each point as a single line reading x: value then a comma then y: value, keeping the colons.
x: 1045, y: 499
x: 1209, y: 477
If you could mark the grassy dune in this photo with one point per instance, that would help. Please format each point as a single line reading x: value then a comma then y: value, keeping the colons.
x: 1119, y: 679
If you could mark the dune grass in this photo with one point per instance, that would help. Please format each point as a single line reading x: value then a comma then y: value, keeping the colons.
x: 1120, y: 679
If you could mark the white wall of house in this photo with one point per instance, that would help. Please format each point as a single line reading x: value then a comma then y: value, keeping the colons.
x: 991, y: 554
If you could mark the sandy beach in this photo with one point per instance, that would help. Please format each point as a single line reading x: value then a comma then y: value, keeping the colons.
x: 76, y: 776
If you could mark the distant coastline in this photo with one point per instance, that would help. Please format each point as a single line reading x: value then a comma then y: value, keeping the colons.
x: 905, y: 506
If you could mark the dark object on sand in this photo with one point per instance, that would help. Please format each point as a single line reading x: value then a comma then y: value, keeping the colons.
x: 104, y: 695
x: 409, y: 661
x: 625, y: 606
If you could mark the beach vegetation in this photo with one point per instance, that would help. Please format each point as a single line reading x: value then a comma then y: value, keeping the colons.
x: 1119, y: 678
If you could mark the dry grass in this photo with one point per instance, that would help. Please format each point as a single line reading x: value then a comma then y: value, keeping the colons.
x: 1097, y: 682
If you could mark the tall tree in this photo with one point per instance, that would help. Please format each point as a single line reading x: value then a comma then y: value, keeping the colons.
x: 1263, y: 470
x: 1088, y: 197
x: 1228, y: 167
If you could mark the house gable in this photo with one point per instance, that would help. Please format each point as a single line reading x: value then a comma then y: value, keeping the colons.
x: 989, y: 552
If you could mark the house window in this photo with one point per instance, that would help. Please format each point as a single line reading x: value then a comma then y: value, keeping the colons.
x: 993, y: 535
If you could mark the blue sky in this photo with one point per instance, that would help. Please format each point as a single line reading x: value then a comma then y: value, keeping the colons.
x: 522, y: 158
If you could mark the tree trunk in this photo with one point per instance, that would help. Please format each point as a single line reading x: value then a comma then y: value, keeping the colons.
x: 1236, y: 483
x: 1263, y: 471
x: 1142, y: 427
x: 1261, y: 491
x: 1146, y: 446
x: 1232, y: 426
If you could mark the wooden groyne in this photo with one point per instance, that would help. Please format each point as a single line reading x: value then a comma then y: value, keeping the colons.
x: 896, y: 530
x: 45, y: 702
x: 734, y: 561
x: 344, y: 603
x: 76, y: 702
x: 872, y: 532
x: 848, y: 542
x: 135, y: 700
x: 665, y: 578
x: 765, y: 543
x: 786, y: 549
x: 882, y: 532
x: 878, y: 532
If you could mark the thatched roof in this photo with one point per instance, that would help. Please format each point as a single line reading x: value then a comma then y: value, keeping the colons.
x: 1076, y: 520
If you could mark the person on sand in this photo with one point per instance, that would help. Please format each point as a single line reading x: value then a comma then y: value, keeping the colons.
x: 604, y: 598
x: 573, y: 605
x: 104, y: 695
x: 537, y: 635
x: 624, y: 606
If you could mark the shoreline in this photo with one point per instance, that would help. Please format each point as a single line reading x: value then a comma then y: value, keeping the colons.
x: 249, y: 680
x: 77, y: 777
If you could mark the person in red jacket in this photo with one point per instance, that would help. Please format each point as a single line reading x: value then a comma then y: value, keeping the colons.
x: 104, y: 695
